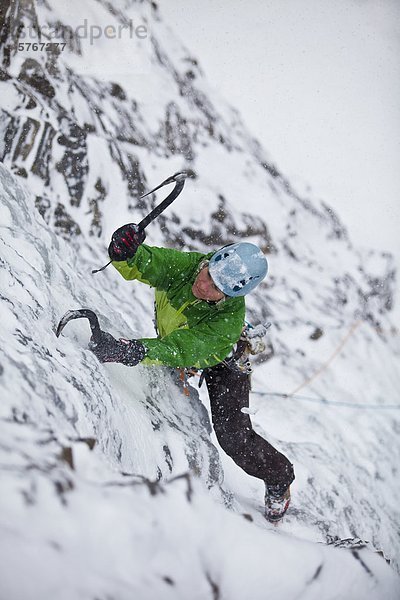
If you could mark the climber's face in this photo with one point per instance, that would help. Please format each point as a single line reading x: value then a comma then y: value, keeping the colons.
x: 204, y: 288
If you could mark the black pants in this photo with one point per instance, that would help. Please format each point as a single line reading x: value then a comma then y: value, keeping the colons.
x: 229, y: 393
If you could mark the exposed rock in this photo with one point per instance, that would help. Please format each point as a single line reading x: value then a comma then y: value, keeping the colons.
x: 65, y: 223
x: 43, y: 157
x: 33, y: 74
x: 74, y: 163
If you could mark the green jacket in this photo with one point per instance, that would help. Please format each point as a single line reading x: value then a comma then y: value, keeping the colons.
x: 192, y: 332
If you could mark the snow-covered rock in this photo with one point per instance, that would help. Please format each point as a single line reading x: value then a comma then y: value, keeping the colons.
x: 106, y: 469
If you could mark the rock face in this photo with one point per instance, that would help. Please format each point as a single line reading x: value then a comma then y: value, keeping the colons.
x: 84, y: 143
x: 86, y: 136
x: 109, y: 475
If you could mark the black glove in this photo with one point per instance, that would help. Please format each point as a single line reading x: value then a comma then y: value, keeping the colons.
x: 108, y: 349
x: 125, y: 241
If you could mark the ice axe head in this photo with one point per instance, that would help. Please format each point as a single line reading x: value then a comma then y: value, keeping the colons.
x: 175, y: 178
x: 80, y: 314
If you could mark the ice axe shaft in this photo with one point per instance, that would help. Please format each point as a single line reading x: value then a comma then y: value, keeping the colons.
x: 81, y: 314
x: 179, y: 179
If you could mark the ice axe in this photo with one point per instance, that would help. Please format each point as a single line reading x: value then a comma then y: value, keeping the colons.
x: 179, y: 179
x: 80, y: 314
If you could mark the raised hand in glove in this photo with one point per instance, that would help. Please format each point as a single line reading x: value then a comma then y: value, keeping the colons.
x: 108, y: 349
x: 125, y: 241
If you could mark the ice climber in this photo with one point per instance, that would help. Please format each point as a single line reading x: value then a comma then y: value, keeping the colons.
x: 200, y: 312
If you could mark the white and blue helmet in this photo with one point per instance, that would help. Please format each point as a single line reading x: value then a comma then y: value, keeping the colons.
x: 237, y: 269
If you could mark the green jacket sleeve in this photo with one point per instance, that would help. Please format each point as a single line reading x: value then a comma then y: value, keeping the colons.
x: 201, y: 346
x: 158, y: 267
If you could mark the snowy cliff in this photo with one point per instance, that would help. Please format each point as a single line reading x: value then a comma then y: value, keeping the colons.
x: 111, y: 485
x: 155, y: 509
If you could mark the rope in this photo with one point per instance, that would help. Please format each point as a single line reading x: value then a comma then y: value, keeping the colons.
x: 330, y: 359
x: 294, y: 396
x: 330, y: 402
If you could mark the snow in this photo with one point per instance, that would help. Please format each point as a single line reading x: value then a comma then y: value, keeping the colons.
x: 318, y: 84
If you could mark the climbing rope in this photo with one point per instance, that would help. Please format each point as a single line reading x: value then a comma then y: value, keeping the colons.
x: 330, y: 359
x: 295, y: 396
x: 360, y: 405
x: 329, y: 402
